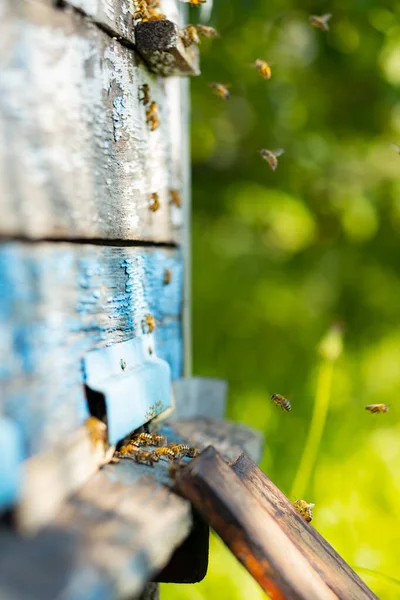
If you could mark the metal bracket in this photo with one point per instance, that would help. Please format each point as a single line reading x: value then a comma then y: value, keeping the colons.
x: 11, y: 453
x: 134, y: 382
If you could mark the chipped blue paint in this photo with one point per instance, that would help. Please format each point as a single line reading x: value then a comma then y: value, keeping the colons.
x: 136, y: 385
x: 57, y: 303
x: 11, y: 453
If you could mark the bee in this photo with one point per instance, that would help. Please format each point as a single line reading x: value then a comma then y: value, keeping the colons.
x: 142, y: 12
x: 207, y: 32
x: 97, y: 430
x: 320, y: 22
x: 153, y: 116
x: 304, y: 509
x: 174, y: 469
x: 155, y: 15
x: 197, y: 2
x: 150, y: 350
x: 377, y: 408
x: 145, y: 457
x: 160, y: 452
x: 151, y: 439
x: 181, y: 450
x: 167, y: 277
x: 175, y: 198
x: 150, y: 321
x: 145, y: 90
x: 127, y: 450
x: 220, y: 90
x: 263, y: 68
x: 271, y: 157
x: 190, y: 36
x: 155, y: 202
x: 153, y: 3
x: 281, y: 401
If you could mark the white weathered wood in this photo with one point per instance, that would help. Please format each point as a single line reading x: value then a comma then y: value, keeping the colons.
x: 77, y: 159
x: 58, y: 301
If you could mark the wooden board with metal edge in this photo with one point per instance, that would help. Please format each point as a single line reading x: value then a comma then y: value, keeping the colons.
x: 77, y: 158
x: 252, y: 533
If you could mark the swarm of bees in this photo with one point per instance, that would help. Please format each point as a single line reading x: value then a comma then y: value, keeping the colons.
x: 305, y: 509
x: 172, y: 452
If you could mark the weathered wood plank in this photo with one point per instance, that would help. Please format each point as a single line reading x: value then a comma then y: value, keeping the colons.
x: 337, y: 574
x: 77, y: 159
x: 249, y: 531
x: 58, y: 302
x: 229, y: 438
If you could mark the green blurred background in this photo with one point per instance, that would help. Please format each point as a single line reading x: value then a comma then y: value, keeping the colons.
x: 280, y: 256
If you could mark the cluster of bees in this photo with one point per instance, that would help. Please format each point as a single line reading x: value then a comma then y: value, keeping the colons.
x: 304, y: 508
x: 172, y: 452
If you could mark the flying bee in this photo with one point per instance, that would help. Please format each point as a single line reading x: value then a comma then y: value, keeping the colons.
x: 155, y: 202
x: 145, y: 457
x: 145, y: 90
x: 263, y: 68
x: 181, y: 450
x: 304, y: 509
x: 167, y: 277
x: 153, y: 116
x: 175, y: 198
x: 220, y: 90
x: 190, y: 36
x: 281, y: 401
x: 207, y: 32
x: 160, y: 452
x: 377, y: 408
x: 320, y: 22
x: 97, y: 430
x: 271, y: 157
x: 150, y: 322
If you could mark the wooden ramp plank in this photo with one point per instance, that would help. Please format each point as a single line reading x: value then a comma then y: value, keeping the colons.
x: 59, y: 301
x: 77, y: 159
x: 341, y: 578
x: 252, y: 533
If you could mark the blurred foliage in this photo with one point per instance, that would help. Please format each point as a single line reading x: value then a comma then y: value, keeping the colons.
x: 279, y: 256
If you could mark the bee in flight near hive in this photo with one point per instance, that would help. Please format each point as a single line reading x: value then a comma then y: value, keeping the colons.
x: 207, y: 32
x: 153, y: 116
x: 271, y: 156
x: 263, y: 68
x: 377, y: 408
x: 145, y: 90
x: 305, y: 509
x: 182, y: 450
x: 281, y: 401
x: 149, y: 322
x: 190, y: 36
x: 155, y: 202
x: 320, y: 22
x: 167, y: 277
x: 220, y: 90
x: 175, y: 198
x: 160, y: 452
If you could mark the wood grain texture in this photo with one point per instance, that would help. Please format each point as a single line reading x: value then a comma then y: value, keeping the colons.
x: 229, y: 438
x: 249, y: 531
x: 77, y: 159
x: 337, y: 574
x: 108, y: 540
x: 58, y: 302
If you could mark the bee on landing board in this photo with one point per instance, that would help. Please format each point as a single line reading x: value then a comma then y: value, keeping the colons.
x: 377, y: 408
x: 163, y: 452
x: 155, y: 202
x: 220, y: 90
x: 271, y: 156
x: 207, y: 32
x: 281, y: 401
x: 182, y: 450
x: 149, y: 322
x: 263, y: 68
x: 142, y: 456
x: 305, y: 509
x: 167, y: 277
x: 145, y: 90
x: 320, y: 22
x: 174, y: 469
x: 153, y: 116
x: 190, y: 36
x: 141, y: 10
x: 175, y: 198
x: 127, y: 450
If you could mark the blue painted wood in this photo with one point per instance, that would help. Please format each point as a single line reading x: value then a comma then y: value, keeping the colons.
x: 60, y: 301
x: 11, y: 453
